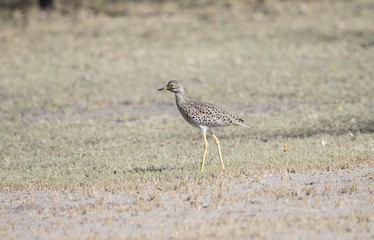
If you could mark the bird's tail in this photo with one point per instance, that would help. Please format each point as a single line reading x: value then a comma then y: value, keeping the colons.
x: 241, y: 123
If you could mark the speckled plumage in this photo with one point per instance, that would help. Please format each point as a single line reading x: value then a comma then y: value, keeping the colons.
x: 199, y: 113
x: 203, y: 115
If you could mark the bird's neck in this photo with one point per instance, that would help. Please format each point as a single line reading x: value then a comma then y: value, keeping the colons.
x: 181, y: 97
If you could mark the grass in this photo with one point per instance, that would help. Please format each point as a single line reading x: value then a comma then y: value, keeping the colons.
x: 79, y: 108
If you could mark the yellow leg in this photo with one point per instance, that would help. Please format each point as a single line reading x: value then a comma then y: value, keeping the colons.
x: 219, y: 149
x: 205, y: 149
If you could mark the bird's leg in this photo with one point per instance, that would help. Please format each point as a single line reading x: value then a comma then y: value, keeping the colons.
x: 219, y: 149
x: 205, y: 149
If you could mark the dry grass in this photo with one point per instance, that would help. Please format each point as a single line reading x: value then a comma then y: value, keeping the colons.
x: 79, y: 107
x: 272, y: 205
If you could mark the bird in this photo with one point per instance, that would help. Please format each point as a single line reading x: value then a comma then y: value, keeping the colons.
x: 203, y: 115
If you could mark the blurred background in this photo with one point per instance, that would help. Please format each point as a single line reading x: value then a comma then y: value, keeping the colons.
x: 61, y: 57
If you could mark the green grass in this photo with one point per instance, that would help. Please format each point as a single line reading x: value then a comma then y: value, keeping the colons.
x: 79, y: 107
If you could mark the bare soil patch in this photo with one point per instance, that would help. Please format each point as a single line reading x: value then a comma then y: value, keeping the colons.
x: 326, y: 205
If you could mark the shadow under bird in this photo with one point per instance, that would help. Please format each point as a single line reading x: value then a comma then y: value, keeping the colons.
x: 203, y: 115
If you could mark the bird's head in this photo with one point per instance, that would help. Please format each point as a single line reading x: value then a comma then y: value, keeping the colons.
x: 173, y: 86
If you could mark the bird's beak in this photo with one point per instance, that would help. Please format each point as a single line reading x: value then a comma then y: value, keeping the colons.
x: 162, y: 89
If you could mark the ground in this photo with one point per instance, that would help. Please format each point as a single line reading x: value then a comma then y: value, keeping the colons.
x: 329, y: 205
x: 89, y: 149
